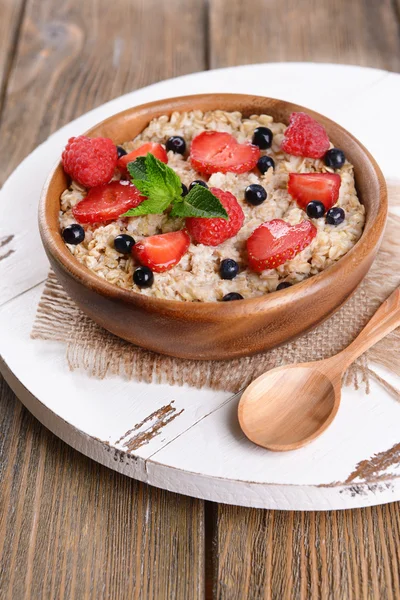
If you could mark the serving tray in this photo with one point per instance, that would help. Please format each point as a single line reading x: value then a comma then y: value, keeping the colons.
x: 181, y: 438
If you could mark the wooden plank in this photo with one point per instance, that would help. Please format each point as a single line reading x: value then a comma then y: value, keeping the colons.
x: 70, y: 528
x: 344, y: 554
x: 363, y: 32
x: 89, y: 73
x: 74, y: 529
x: 262, y: 554
x: 11, y: 12
x: 75, y: 55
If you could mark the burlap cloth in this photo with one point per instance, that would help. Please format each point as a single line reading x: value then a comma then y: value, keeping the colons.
x: 101, y: 354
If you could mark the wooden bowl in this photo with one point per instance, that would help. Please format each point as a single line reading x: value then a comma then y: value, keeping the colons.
x: 217, y: 330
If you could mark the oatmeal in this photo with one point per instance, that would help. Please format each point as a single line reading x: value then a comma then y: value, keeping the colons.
x: 198, y: 275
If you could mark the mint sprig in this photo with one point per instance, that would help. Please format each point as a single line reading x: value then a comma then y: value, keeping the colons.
x: 199, y: 202
x: 162, y: 188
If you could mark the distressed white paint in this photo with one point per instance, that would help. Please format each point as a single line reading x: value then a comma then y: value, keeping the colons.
x: 105, y: 409
x: 202, y: 451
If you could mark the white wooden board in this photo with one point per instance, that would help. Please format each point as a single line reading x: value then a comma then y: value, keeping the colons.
x: 192, y: 443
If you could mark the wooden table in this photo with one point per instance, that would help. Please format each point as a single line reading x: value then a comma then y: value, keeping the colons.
x: 70, y: 528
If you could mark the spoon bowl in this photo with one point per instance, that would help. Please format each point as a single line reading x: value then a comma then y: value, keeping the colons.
x: 285, y: 408
x: 290, y: 406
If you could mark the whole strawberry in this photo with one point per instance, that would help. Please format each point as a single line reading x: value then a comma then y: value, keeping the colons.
x: 90, y: 161
x: 214, y: 231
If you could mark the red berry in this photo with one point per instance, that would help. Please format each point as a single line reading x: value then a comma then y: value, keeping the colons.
x: 90, y: 161
x: 107, y: 202
x: 305, y: 137
x: 155, y: 149
x: 304, y: 187
x: 275, y: 242
x: 162, y: 252
x: 215, y: 151
x: 212, y: 232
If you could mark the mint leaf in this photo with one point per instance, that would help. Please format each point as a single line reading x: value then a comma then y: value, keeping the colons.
x: 149, y: 207
x: 137, y: 168
x: 163, y: 176
x: 162, y: 187
x: 199, y: 202
x: 155, y: 180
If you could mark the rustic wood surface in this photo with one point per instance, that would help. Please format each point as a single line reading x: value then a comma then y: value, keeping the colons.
x: 363, y: 32
x: 70, y: 528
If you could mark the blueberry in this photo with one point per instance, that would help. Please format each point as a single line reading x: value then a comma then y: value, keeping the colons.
x: 121, y: 151
x: 334, y: 158
x: 143, y: 277
x: 255, y: 194
x: 335, y: 216
x: 265, y: 163
x: 232, y: 296
x: 177, y: 144
x: 124, y: 243
x: 185, y: 191
x: 73, y: 234
x: 315, y: 209
x: 283, y: 285
x: 197, y: 182
x: 262, y: 137
x: 228, y: 268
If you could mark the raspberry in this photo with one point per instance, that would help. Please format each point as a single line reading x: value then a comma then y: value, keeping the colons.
x: 90, y: 161
x: 212, y: 232
x: 305, y: 137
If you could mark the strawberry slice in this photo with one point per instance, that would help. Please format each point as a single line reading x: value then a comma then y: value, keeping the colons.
x: 155, y: 149
x: 215, y: 151
x: 304, y: 187
x: 162, y: 252
x: 107, y: 202
x: 275, y: 242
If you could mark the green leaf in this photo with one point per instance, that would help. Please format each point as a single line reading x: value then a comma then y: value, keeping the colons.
x: 149, y: 207
x: 137, y: 168
x: 155, y: 180
x: 160, y: 181
x: 162, y: 187
x: 199, y: 202
x: 161, y: 175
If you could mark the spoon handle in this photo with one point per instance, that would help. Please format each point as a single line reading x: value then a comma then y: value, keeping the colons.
x: 386, y: 318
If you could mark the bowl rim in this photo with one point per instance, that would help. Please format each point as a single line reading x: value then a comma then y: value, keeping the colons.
x: 369, y: 240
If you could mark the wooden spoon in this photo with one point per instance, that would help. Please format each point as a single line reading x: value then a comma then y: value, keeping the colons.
x: 290, y: 406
